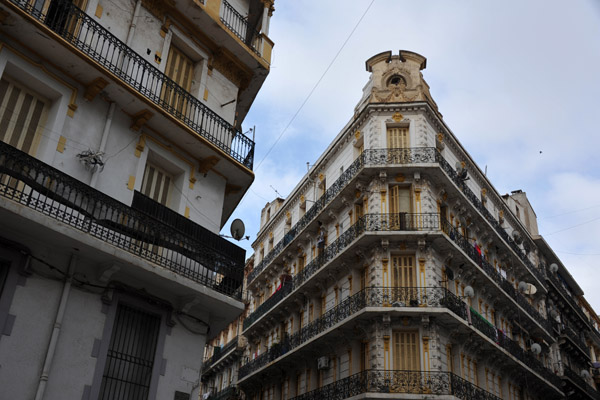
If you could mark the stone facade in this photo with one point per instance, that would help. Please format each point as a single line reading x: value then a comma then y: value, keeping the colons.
x: 394, y: 267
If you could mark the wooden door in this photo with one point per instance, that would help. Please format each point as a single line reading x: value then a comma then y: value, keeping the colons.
x: 180, y: 69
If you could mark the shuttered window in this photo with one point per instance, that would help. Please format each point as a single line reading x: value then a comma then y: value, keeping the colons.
x: 130, y: 359
x: 22, y: 116
x: 397, y: 138
x: 180, y: 69
x: 400, y: 201
x: 406, y: 351
x: 404, y: 271
x: 157, y: 184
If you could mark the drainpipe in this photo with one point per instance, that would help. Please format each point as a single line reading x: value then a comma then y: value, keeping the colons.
x: 136, y: 11
x: 107, y: 125
x: 60, y: 313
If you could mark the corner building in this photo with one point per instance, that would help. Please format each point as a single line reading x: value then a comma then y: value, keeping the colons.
x: 394, y: 269
x: 122, y: 155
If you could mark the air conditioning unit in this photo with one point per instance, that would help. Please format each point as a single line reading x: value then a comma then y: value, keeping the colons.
x: 323, y: 363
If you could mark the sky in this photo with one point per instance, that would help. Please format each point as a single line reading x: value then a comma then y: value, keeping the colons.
x: 516, y: 81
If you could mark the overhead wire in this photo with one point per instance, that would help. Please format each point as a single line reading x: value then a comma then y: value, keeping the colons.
x: 315, y: 86
x: 306, y: 99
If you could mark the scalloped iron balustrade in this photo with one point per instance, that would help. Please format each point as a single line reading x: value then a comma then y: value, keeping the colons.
x: 399, y: 382
x: 367, y: 223
x: 415, y: 155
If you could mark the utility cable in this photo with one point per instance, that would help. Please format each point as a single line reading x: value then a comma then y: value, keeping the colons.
x: 571, y: 227
x: 315, y: 86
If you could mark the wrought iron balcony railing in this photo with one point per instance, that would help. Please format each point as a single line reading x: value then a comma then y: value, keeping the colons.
x: 219, y: 352
x: 504, y: 284
x: 416, y: 155
x: 476, y: 202
x: 368, y: 297
x: 554, y: 279
x: 579, y: 381
x: 238, y: 24
x: 404, y: 156
x: 88, y: 36
x: 228, y: 393
x: 398, y: 297
x: 573, y: 336
x: 34, y: 184
x: 184, y: 225
x: 399, y: 382
x: 367, y: 223
x: 286, y: 288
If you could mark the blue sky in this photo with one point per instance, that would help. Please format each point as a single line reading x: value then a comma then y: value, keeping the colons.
x: 517, y: 82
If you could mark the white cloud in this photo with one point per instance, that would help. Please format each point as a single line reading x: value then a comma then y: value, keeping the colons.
x: 511, y: 78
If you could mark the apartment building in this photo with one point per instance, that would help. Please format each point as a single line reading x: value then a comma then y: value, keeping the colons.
x: 394, y: 269
x: 122, y: 155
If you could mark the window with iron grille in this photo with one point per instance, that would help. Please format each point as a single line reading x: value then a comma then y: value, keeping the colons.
x: 130, y: 359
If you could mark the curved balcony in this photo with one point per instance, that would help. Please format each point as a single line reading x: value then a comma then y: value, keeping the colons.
x: 430, y: 383
x: 36, y: 185
x: 400, y: 156
x: 88, y: 36
x: 398, y: 297
x: 505, y: 285
x: 367, y: 223
x: 417, y: 155
x: 397, y: 222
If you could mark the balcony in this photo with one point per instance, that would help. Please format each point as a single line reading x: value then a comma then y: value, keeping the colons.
x: 555, y: 281
x: 367, y: 223
x: 570, y: 333
x: 117, y: 59
x: 410, y: 156
x: 37, y: 186
x: 228, y: 393
x: 238, y: 24
x: 476, y: 202
x: 400, y: 156
x: 220, y: 352
x: 506, y: 286
x: 580, y: 383
x: 398, y: 297
x: 430, y: 383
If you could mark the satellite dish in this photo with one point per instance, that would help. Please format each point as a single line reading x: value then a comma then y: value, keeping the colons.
x: 522, y: 287
x: 536, y: 348
x: 553, y: 267
x: 237, y: 229
x: 469, y: 292
x: 585, y: 374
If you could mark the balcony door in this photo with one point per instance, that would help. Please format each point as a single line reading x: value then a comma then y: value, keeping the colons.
x: 404, y: 280
x: 60, y: 16
x: 397, y: 138
x: 407, y: 363
x: 180, y: 69
x: 400, y: 207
